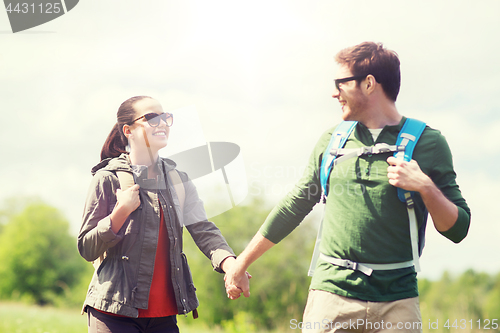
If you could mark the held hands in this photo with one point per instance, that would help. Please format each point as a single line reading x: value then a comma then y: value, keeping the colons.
x: 236, y: 280
x: 128, y: 200
x: 406, y: 175
x: 235, y: 285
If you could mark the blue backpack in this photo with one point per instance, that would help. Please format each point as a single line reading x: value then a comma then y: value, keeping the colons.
x: 335, y: 153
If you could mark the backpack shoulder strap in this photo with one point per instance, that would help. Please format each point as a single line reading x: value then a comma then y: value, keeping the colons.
x: 126, y: 179
x: 338, y: 140
x: 408, y: 137
x: 178, y: 186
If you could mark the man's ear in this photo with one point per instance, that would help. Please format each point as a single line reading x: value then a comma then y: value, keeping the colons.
x: 370, y: 83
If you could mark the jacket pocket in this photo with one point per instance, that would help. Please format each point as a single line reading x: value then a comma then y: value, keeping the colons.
x: 133, y: 227
x: 188, y: 278
x: 188, y: 299
x: 134, y: 222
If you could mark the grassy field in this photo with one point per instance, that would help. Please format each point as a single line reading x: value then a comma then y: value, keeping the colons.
x: 22, y: 318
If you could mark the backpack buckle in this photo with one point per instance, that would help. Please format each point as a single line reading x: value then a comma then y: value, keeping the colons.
x: 366, y: 150
x: 409, y: 200
x: 334, y: 152
x: 381, y: 148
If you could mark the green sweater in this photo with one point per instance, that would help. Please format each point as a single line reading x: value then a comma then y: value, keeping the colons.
x: 364, y: 221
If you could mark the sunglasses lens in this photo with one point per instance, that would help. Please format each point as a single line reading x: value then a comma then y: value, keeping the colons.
x: 168, y: 118
x: 154, y: 119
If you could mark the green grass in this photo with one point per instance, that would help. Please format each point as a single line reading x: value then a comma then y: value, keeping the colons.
x: 23, y: 318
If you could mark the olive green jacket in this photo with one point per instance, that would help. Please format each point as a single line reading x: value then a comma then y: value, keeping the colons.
x: 122, y: 282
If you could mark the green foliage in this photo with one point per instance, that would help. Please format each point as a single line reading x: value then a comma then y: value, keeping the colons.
x: 468, y: 298
x: 492, y: 301
x: 39, y: 262
x: 38, y: 257
x: 13, y: 206
x: 279, y: 285
x: 242, y: 323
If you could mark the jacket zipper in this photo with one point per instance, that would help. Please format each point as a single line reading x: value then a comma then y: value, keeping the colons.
x: 182, y: 300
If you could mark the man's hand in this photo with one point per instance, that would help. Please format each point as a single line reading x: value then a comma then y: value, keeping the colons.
x: 407, y: 175
x: 236, y: 279
x: 236, y: 275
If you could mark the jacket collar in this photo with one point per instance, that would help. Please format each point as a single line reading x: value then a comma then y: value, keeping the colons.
x: 120, y: 163
x: 140, y: 172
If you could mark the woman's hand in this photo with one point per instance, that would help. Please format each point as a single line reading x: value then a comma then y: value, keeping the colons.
x: 127, y: 201
x: 236, y: 283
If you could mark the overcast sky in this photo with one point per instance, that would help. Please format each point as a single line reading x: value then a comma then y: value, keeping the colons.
x: 258, y: 74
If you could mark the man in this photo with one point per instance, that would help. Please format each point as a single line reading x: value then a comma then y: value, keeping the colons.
x: 364, y: 221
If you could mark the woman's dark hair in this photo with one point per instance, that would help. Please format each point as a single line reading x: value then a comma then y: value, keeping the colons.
x: 373, y: 58
x: 117, y: 141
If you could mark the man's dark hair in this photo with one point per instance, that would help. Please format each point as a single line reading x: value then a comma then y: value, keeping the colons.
x: 373, y: 58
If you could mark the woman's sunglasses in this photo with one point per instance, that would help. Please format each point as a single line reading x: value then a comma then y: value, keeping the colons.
x: 154, y: 119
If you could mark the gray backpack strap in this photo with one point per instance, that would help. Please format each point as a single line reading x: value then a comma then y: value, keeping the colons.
x: 178, y: 186
x: 126, y: 180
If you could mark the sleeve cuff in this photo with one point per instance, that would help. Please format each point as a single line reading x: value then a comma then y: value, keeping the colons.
x: 218, y: 257
x: 460, y: 228
x: 104, y: 231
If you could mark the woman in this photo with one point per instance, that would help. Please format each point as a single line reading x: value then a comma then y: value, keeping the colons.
x: 144, y: 279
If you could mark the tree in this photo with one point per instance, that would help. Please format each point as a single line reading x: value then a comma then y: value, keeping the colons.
x: 462, y: 300
x: 13, y: 206
x: 279, y: 285
x: 38, y: 257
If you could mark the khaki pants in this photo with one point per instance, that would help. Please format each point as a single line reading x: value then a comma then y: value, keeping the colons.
x: 328, y: 312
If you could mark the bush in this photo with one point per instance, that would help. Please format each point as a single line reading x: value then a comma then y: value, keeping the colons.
x: 462, y: 299
x: 279, y: 285
x: 38, y: 257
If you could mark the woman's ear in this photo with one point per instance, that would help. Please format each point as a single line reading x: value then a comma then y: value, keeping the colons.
x: 127, y: 131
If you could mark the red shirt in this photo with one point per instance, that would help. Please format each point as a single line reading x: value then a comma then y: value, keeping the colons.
x: 161, y: 301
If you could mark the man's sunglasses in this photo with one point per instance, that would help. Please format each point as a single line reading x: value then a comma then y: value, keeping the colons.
x: 347, y: 79
x: 154, y: 119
